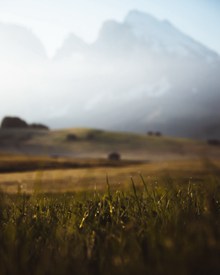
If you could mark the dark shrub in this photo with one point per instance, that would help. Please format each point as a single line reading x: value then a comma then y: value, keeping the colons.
x: 215, y: 142
x: 71, y: 137
x: 90, y: 136
x: 114, y: 156
x: 55, y: 156
x: 158, y: 134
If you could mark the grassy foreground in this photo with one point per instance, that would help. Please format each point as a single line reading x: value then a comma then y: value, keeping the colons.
x: 157, y: 228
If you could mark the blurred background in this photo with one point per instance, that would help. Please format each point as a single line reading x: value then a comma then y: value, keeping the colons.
x: 134, y: 66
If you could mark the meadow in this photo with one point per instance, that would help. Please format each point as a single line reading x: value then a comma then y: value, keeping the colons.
x: 161, y: 227
x: 158, y: 215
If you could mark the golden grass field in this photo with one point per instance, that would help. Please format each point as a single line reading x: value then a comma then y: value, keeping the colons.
x: 91, y: 178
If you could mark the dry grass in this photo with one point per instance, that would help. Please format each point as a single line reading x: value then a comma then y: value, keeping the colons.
x: 68, y: 180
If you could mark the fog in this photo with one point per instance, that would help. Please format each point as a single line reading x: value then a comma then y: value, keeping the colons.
x: 141, y: 74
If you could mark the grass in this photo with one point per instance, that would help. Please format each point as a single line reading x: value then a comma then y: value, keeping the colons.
x: 90, y: 177
x: 157, y: 217
x: 155, y: 227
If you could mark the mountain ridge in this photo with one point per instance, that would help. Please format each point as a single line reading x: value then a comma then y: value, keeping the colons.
x: 136, y: 20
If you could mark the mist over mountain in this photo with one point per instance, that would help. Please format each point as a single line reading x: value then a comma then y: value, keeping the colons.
x: 18, y: 43
x: 72, y: 45
x: 140, y: 74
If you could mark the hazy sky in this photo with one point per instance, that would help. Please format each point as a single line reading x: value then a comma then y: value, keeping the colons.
x: 52, y: 20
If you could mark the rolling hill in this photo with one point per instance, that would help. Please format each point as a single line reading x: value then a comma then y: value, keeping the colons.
x: 92, y: 143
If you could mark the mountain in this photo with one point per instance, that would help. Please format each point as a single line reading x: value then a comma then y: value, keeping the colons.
x: 147, y: 75
x: 140, y: 31
x: 72, y: 45
x: 142, y: 74
x: 17, y: 43
x: 162, y: 37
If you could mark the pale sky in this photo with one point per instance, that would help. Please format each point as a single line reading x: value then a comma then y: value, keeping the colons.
x: 52, y: 20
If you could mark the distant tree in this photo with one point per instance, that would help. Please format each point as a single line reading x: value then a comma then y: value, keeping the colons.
x: 38, y: 126
x: 94, y: 134
x: 13, y: 122
x: 150, y: 133
x: 16, y: 122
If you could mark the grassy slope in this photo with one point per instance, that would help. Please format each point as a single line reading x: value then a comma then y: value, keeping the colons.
x: 132, y: 146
